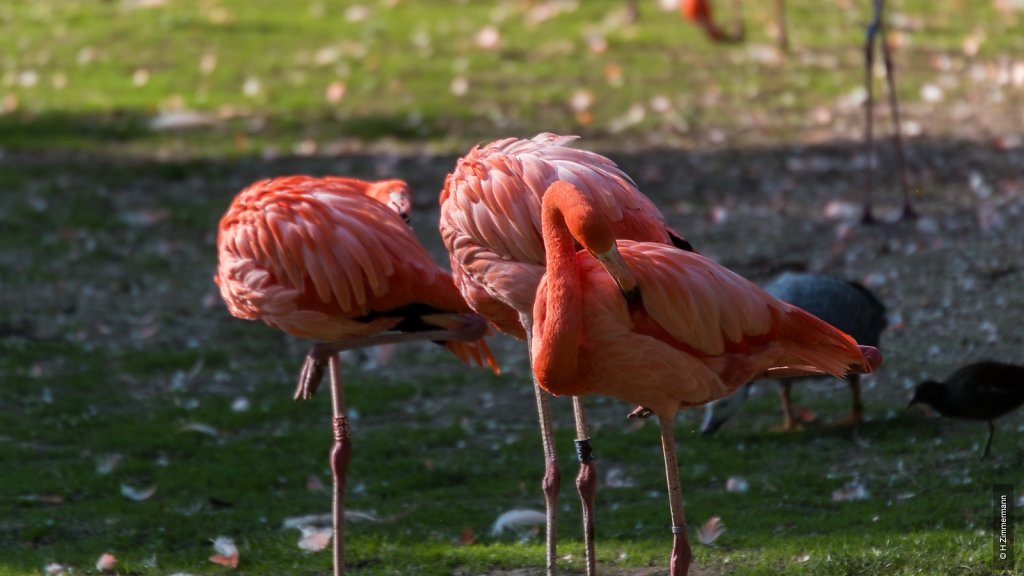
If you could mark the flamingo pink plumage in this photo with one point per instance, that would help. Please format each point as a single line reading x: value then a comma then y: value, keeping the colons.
x: 491, y: 225
x: 691, y: 332
x: 326, y: 259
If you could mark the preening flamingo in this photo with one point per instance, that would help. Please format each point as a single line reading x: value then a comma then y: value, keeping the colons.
x: 688, y: 331
x: 699, y: 12
x: 491, y: 225
x: 326, y: 259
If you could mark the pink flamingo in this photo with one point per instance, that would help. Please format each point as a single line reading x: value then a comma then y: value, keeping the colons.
x: 490, y: 223
x: 688, y: 331
x: 326, y: 259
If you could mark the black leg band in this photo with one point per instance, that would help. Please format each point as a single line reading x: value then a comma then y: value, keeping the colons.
x: 584, y: 452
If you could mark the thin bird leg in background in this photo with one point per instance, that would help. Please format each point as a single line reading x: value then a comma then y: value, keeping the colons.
x: 785, y: 394
x: 679, y: 562
x: 552, y: 474
x: 341, y: 453
x: 632, y: 13
x: 869, y: 158
x: 988, y: 443
x: 890, y: 79
x: 857, y: 414
x: 586, y: 482
x: 780, y: 25
x: 315, y: 363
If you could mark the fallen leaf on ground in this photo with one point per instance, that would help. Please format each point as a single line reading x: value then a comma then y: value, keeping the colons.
x: 314, y: 539
x: 736, y: 484
x: 710, y: 531
x: 107, y: 463
x: 853, y: 490
x: 199, y: 427
x: 226, y: 552
x: 56, y: 569
x: 138, y: 494
x: 106, y: 562
x: 519, y: 521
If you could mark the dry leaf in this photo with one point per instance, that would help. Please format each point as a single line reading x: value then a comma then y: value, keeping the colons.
x: 226, y: 553
x: 107, y: 463
x: 519, y: 521
x: 710, y: 531
x: 466, y: 537
x: 737, y: 484
x: 488, y: 38
x: 314, y: 539
x: 852, y: 491
x: 199, y: 427
x: 57, y: 569
x: 106, y: 562
x: 138, y: 494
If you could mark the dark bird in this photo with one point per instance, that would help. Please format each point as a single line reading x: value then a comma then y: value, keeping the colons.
x: 980, y: 391
x: 848, y: 306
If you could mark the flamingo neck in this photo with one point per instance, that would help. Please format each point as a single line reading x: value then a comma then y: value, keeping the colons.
x: 559, y: 312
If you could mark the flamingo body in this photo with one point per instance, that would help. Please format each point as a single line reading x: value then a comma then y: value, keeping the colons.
x: 699, y: 332
x: 490, y: 218
x: 319, y: 258
x: 663, y: 328
x: 491, y: 225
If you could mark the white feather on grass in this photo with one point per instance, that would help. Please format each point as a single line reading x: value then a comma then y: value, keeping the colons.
x: 520, y: 521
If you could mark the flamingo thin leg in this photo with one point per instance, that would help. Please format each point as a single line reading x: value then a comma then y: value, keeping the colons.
x: 785, y: 394
x: 890, y: 79
x: 869, y: 106
x: 552, y: 476
x: 682, y: 556
x: 341, y: 452
x: 586, y: 483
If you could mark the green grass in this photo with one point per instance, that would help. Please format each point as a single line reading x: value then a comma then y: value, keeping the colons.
x: 113, y: 340
x: 92, y: 74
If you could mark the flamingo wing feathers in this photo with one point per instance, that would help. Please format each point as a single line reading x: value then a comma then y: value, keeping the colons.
x: 713, y: 311
x: 303, y: 246
x: 490, y: 217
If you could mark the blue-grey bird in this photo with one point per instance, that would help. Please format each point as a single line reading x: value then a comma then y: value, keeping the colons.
x: 848, y: 306
x: 980, y: 391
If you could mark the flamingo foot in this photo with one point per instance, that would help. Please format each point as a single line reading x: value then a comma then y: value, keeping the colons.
x: 682, y: 556
x: 640, y: 412
x: 312, y: 374
x: 586, y: 485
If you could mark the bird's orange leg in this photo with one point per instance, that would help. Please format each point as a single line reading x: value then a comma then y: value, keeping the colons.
x: 857, y: 414
x: 890, y: 79
x: 679, y: 562
x: 341, y: 453
x: 785, y: 395
x: 586, y: 483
